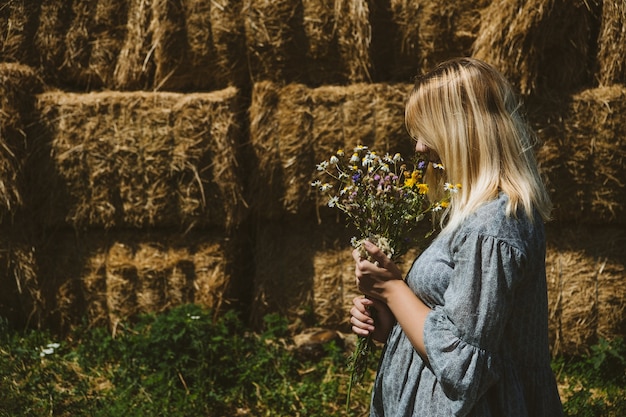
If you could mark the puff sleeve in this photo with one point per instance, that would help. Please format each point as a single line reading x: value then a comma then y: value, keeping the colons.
x: 464, y: 336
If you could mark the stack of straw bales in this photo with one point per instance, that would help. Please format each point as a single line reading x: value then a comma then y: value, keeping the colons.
x: 540, y: 45
x: 303, y: 268
x: 108, y: 278
x: 127, y: 45
x: 154, y: 162
x: 137, y: 181
x: 611, y: 67
x: 21, y: 297
x: 135, y: 159
x: 583, y: 156
x: 18, y: 85
x: 585, y: 272
x: 294, y: 127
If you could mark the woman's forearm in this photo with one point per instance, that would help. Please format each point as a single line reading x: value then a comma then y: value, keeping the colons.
x: 409, y: 311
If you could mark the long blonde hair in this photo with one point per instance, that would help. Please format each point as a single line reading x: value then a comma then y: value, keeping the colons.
x: 468, y: 114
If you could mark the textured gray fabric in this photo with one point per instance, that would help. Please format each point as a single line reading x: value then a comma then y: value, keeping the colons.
x: 487, y: 335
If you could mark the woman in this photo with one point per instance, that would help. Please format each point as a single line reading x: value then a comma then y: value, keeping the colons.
x: 467, y: 333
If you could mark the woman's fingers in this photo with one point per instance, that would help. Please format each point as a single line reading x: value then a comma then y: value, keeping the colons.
x: 361, y: 320
x: 382, y: 261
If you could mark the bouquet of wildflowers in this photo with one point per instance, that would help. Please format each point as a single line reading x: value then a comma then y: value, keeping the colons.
x: 385, y: 199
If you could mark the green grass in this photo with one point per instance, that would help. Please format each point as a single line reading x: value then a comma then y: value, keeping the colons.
x: 182, y: 363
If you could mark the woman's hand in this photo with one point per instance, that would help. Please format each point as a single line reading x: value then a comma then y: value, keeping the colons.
x: 363, y: 322
x: 392, y: 299
x: 371, y: 276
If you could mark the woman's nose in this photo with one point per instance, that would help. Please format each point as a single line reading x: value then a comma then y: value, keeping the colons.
x: 420, y: 146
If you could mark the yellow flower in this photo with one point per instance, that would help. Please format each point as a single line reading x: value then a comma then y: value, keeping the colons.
x: 340, y: 152
x: 422, y: 188
x: 445, y: 204
x: 412, y: 180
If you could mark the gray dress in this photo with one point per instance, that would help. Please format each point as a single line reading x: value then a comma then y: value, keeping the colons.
x: 487, y: 334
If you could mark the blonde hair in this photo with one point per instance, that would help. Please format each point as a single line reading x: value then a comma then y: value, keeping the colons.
x: 466, y: 112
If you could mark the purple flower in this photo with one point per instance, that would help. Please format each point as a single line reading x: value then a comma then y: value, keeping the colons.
x: 356, y: 177
x: 421, y: 165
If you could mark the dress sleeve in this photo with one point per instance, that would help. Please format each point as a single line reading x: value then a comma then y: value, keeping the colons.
x: 463, y: 337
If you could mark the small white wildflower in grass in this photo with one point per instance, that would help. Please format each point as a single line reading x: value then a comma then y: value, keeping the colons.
x: 333, y: 201
x: 437, y: 166
x: 49, y: 349
x: 316, y: 183
x: 46, y: 351
x: 334, y: 160
x: 326, y: 187
x: 355, y: 158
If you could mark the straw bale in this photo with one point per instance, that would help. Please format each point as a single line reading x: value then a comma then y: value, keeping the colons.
x: 170, y: 271
x: 180, y: 288
x: 75, y: 67
x: 94, y: 289
x: 212, y: 281
x: 354, y: 38
x: 135, y: 67
x: 121, y: 283
x: 586, y: 271
x: 274, y: 36
x: 49, y: 41
x: 141, y: 159
x: 583, y: 156
x: 182, y: 46
x: 324, y: 63
x: 17, y: 23
x: 542, y: 46
x: 206, y: 130
x: 106, y: 279
x: 429, y: 32
x: 153, y: 270
x: 167, y: 27
x: 184, y: 51
x: 293, y: 128
x: 21, y: 299
x: 612, y: 44
x: 229, y: 42
x: 18, y: 85
x: 107, y: 39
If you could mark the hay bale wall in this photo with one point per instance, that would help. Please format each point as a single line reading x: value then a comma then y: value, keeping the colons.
x: 140, y: 159
x: 611, y: 68
x: 540, y: 45
x: 109, y: 153
x: 109, y: 278
x: 583, y: 157
x: 429, y: 32
x: 18, y: 85
x: 295, y: 127
x: 586, y: 286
